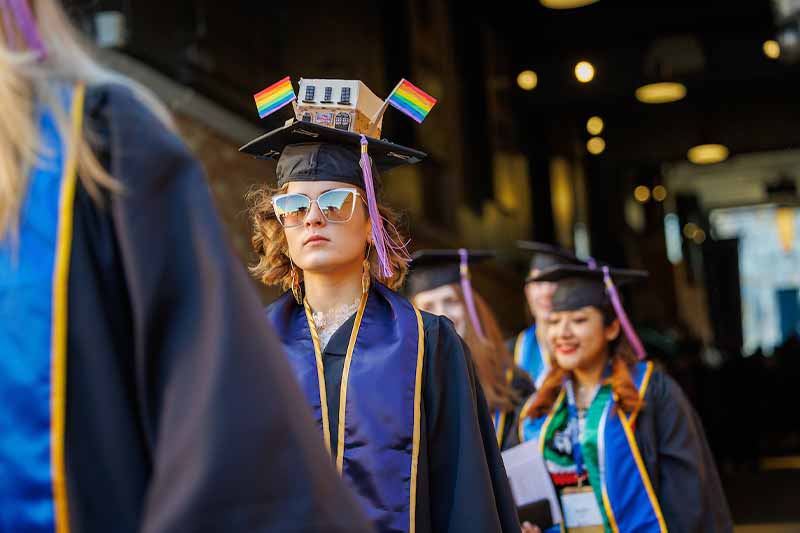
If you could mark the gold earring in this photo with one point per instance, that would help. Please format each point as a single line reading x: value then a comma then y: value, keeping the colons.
x: 366, y: 275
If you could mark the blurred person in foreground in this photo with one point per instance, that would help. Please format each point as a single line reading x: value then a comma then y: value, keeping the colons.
x: 439, y: 283
x: 624, y: 449
x: 141, y: 390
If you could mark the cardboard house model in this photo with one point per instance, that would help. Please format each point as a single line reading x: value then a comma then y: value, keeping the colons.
x: 342, y: 104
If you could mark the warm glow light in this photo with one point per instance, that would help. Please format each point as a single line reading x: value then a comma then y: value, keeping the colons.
x: 527, y: 80
x: 641, y: 193
x: 699, y: 236
x: 707, y: 154
x: 596, y: 145
x: 661, y: 93
x: 690, y: 229
x: 566, y: 4
x: 584, y: 71
x: 595, y: 125
x: 659, y: 193
x: 772, y: 49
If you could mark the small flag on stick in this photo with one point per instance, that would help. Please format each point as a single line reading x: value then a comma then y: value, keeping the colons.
x: 411, y: 100
x: 274, y: 97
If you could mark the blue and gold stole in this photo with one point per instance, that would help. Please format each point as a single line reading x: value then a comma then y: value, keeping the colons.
x: 34, y: 272
x: 378, y: 438
x: 528, y: 355
x: 625, y: 491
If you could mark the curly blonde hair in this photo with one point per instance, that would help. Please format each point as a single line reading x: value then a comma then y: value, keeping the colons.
x: 269, y: 242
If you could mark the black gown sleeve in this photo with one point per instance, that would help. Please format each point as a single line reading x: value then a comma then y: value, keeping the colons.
x: 467, y: 486
x: 232, y: 447
x: 679, y: 461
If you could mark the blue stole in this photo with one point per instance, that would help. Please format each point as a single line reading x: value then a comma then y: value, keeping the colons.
x: 628, y: 497
x: 528, y: 355
x: 34, y: 272
x: 377, y: 448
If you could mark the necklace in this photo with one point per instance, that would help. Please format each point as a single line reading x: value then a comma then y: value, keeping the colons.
x: 327, y: 322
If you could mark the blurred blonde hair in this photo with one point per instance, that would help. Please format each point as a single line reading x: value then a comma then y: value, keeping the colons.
x: 25, y: 82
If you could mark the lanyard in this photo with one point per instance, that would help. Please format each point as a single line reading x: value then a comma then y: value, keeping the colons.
x: 573, y: 426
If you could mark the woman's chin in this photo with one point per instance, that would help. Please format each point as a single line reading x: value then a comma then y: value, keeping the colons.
x: 568, y: 362
x: 320, y: 261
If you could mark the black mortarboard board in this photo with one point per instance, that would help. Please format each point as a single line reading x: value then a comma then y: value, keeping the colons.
x: 311, y: 152
x: 435, y: 268
x: 580, y: 286
x: 547, y: 256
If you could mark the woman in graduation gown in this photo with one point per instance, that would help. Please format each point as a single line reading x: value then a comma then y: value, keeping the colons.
x: 393, y: 390
x: 133, y: 354
x: 624, y: 448
x: 529, y: 346
x: 439, y: 282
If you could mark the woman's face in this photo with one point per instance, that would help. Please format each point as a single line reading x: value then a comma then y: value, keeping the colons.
x: 319, y: 246
x: 443, y: 301
x: 539, y: 295
x: 578, y: 339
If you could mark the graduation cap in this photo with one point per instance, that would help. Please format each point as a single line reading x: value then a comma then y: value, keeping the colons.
x: 583, y: 286
x: 547, y: 256
x: 430, y: 269
x: 334, y: 137
x: 309, y: 152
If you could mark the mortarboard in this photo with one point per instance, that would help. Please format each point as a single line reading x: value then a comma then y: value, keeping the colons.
x: 547, y: 256
x: 583, y: 286
x: 430, y: 269
x: 310, y: 152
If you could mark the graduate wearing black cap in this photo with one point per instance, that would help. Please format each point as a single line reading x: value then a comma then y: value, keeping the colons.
x: 624, y: 448
x: 528, y: 347
x: 439, y: 282
x: 392, y: 389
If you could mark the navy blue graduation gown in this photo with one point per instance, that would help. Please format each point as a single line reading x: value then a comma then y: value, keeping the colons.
x: 462, y: 484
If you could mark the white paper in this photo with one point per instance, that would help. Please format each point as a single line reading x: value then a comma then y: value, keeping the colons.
x: 581, y: 510
x: 529, y: 478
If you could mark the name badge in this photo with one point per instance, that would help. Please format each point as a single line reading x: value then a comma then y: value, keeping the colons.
x: 581, y: 512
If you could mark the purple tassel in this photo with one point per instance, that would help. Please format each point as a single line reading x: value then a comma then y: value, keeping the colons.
x: 630, y: 333
x: 466, y: 288
x: 380, y: 237
x: 21, y: 12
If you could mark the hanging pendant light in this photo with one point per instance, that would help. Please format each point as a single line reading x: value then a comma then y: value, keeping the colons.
x: 566, y: 4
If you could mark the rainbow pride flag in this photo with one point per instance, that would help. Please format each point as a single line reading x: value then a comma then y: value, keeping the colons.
x: 274, y: 97
x: 411, y: 100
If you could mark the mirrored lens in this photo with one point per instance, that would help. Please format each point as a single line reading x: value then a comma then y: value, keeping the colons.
x: 337, y: 205
x: 291, y: 209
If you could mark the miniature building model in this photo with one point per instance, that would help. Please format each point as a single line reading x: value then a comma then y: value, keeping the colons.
x: 342, y: 104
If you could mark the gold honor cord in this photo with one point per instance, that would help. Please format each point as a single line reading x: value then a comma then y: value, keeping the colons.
x: 58, y: 392
x: 412, y: 511
x: 323, y: 395
x: 345, y: 377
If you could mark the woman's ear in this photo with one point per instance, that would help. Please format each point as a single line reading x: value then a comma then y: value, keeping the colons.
x: 612, y: 330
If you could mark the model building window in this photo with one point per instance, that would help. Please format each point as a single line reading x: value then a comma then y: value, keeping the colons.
x: 345, y: 97
x: 328, y: 96
x: 309, y: 94
x: 342, y: 121
x: 306, y: 117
